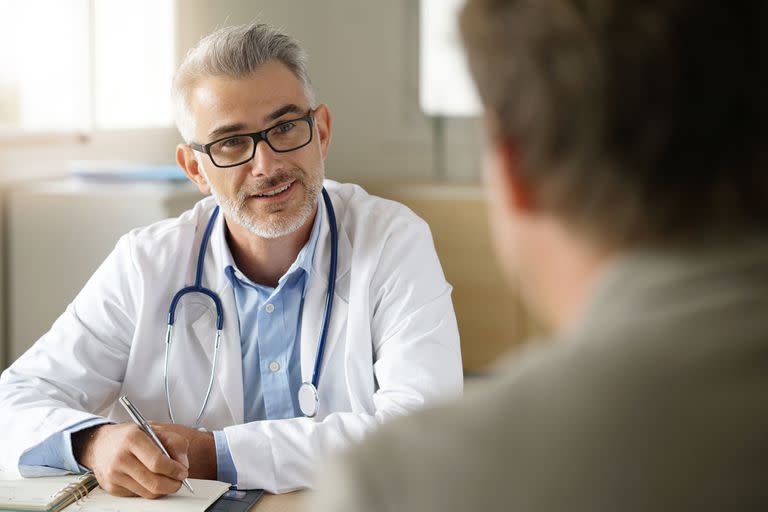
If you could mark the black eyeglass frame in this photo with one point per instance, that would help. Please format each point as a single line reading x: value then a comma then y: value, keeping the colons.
x: 258, y: 136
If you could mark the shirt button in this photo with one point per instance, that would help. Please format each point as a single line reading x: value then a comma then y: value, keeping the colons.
x: 270, y: 308
x: 274, y: 366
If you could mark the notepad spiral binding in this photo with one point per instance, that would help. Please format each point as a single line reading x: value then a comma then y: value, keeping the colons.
x: 74, y: 492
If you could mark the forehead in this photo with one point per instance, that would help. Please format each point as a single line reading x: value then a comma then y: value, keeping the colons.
x: 217, y: 101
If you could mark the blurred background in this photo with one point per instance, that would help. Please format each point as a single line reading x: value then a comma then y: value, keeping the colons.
x: 87, y: 139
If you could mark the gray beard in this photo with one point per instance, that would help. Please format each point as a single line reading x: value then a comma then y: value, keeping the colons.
x: 236, y: 210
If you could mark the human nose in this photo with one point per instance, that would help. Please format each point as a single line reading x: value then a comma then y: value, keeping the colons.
x: 265, y: 159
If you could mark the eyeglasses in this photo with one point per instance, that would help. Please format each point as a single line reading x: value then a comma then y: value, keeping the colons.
x: 239, y: 149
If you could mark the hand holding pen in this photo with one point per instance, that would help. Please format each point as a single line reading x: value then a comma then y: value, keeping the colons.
x: 138, y: 418
x: 127, y: 462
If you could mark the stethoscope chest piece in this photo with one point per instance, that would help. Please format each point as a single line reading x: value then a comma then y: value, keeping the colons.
x: 308, y: 399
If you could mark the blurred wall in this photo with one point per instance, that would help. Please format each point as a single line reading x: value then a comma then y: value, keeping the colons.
x: 363, y: 61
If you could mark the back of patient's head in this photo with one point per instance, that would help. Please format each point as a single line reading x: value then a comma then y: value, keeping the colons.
x: 635, y: 121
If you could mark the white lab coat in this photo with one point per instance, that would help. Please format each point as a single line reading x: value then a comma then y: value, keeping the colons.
x: 392, y: 346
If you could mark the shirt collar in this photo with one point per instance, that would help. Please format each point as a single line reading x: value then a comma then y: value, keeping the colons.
x: 303, y: 260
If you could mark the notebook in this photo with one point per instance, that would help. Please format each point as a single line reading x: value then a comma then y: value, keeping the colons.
x: 79, y: 493
x: 47, y: 494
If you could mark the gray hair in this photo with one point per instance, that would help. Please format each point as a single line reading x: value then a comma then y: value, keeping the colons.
x: 235, y: 51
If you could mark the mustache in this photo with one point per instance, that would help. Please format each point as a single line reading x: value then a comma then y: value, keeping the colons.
x: 276, y: 179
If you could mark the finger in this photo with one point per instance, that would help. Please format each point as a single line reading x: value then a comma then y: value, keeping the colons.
x: 117, y: 490
x: 152, y: 458
x: 173, y: 427
x: 116, y: 482
x: 177, y: 446
x: 132, y: 488
x: 144, y: 482
x: 107, y: 482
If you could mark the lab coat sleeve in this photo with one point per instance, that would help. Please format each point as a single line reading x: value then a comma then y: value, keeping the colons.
x: 414, y: 345
x: 54, y: 455
x: 74, y: 372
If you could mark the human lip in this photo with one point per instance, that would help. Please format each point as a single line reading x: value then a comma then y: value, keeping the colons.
x: 278, y: 191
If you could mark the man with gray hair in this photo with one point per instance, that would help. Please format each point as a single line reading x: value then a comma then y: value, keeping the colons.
x: 281, y: 318
x: 628, y: 189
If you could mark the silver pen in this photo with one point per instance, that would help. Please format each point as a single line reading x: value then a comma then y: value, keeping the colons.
x: 138, y: 418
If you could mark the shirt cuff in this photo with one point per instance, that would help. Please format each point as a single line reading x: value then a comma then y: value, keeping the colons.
x: 225, y: 466
x: 70, y: 455
x: 56, y: 451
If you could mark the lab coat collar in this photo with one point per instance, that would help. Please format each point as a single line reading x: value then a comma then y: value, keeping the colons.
x: 314, y: 303
x: 322, y: 255
x: 229, y: 376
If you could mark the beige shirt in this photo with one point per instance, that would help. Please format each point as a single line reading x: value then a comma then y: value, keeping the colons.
x: 656, y: 400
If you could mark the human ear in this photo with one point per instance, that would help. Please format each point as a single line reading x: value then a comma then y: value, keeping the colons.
x: 323, y: 123
x: 185, y: 157
x: 504, y: 171
x: 516, y: 191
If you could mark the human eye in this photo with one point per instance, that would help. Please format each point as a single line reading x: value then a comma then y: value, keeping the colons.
x: 284, y: 127
x: 233, y: 142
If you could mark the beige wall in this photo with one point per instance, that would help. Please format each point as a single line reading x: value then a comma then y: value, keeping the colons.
x: 491, y: 317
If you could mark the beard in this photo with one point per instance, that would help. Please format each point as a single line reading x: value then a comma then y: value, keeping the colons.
x: 272, y: 224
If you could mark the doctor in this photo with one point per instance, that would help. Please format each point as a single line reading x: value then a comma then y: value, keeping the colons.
x: 253, y: 384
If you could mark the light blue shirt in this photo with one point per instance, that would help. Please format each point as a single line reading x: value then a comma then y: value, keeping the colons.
x: 56, y: 451
x: 269, y: 341
x: 270, y: 327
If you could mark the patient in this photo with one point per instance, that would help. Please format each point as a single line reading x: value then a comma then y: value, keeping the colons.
x: 628, y: 190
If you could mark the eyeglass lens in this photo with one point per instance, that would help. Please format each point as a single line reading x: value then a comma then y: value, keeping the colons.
x: 241, y: 148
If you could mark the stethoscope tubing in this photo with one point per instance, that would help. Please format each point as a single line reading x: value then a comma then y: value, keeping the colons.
x: 331, y: 290
x: 198, y: 288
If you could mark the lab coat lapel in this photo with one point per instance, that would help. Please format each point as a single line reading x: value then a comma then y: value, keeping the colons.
x: 314, y: 301
x: 229, y: 365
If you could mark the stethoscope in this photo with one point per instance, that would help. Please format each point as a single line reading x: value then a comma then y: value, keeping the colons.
x: 307, y: 395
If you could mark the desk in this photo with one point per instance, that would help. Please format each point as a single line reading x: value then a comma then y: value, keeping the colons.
x: 280, y: 502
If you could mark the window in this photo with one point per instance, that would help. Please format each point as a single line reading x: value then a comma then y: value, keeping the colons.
x: 445, y: 85
x: 85, y: 65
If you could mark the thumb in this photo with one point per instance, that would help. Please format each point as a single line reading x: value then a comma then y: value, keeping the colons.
x: 177, y: 446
